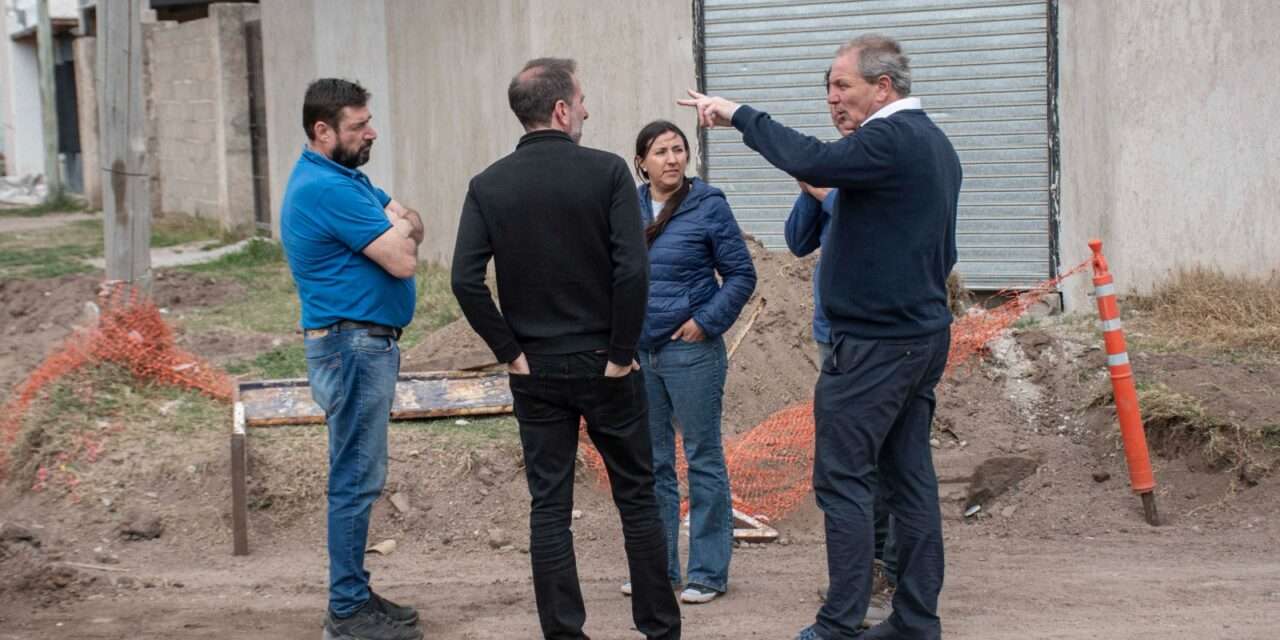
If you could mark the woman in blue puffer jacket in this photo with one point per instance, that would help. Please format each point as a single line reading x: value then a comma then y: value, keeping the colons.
x: 692, y: 237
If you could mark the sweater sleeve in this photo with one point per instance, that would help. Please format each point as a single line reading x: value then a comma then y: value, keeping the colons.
x: 862, y: 159
x: 471, y: 255
x: 733, y: 263
x: 803, y: 230
x: 630, y: 260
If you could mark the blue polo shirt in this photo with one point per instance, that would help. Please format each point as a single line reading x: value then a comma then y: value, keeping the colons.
x: 329, y: 215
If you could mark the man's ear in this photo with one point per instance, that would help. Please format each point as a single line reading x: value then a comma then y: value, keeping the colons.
x: 885, y: 85
x: 319, y: 129
x: 561, y: 113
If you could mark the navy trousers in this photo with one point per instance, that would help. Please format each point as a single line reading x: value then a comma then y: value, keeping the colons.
x: 873, y: 409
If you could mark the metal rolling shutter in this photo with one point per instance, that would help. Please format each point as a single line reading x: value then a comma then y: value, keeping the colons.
x: 981, y: 69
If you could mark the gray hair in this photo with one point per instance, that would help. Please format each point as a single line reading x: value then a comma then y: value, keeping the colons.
x: 534, y: 92
x: 881, y: 56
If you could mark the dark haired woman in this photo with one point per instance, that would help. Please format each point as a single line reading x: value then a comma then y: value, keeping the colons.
x: 692, y: 236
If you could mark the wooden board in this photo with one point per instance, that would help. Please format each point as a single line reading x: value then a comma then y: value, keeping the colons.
x: 418, y: 395
x: 749, y: 529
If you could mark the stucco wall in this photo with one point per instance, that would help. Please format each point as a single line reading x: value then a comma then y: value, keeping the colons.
x: 1170, y: 150
x: 443, y: 114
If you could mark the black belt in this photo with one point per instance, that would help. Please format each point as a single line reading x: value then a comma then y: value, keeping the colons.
x: 376, y: 330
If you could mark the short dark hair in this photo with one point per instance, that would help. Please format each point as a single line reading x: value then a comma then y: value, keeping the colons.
x: 325, y: 100
x: 534, y: 91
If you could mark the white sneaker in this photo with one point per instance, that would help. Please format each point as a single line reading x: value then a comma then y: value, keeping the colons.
x: 698, y: 594
x: 626, y: 588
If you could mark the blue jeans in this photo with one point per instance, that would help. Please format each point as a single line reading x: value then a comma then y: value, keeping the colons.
x: 873, y: 409
x: 353, y: 378
x: 686, y: 380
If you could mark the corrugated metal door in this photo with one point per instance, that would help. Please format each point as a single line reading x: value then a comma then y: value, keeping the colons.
x: 981, y: 69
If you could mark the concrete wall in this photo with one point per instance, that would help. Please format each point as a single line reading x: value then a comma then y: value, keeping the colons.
x: 308, y: 39
x: 443, y: 114
x: 20, y: 115
x: 6, y: 104
x: 199, y: 115
x: 24, y: 132
x: 1170, y: 147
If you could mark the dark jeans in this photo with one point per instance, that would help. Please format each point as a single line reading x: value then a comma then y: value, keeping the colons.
x: 353, y: 378
x: 873, y: 408
x: 549, y: 403
x: 886, y: 546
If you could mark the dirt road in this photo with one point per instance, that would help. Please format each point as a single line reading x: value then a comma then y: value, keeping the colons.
x: 1145, y: 584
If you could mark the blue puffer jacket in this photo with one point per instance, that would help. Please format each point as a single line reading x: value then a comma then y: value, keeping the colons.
x: 701, y: 239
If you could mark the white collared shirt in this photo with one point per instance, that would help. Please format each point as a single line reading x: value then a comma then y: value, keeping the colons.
x: 894, y: 107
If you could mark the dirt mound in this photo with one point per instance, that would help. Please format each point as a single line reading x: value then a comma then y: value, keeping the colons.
x: 31, y: 574
x: 452, y: 347
x: 38, y: 314
x: 776, y: 364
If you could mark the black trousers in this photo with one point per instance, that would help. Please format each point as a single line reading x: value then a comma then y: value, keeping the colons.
x: 873, y: 409
x: 549, y: 403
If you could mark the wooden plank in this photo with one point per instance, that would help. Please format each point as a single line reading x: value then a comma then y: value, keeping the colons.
x: 418, y: 396
x: 749, y: 529
x: 126, y: 187
x: 751, y: 320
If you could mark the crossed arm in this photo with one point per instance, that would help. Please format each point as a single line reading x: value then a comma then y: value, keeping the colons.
x: 396, y: 250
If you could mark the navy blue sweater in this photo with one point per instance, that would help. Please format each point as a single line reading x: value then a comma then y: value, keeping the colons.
x: 892, y: 241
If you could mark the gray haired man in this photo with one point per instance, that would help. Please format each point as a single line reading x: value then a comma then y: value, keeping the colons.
x: 894, y: 229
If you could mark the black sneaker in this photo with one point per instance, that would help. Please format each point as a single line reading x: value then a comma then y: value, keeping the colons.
x: 368, y: 624
x: 398, y: 612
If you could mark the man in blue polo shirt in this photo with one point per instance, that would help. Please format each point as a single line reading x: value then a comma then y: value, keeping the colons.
x: 353, y: 252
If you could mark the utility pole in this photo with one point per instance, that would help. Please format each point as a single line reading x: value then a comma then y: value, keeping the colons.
x: 48, y: 101
x: 126, y: 183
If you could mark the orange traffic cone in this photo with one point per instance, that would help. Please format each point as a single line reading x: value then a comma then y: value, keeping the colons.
x: 1131, y: 430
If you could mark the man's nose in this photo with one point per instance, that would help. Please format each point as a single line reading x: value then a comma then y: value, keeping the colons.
x: 371, y: 134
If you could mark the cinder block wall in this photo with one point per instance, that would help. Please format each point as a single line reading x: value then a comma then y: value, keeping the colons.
x: 199, y: 116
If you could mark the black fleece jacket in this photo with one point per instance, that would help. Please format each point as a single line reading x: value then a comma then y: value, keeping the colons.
x: 562, y: 225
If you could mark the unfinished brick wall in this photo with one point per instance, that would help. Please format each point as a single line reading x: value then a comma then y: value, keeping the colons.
x: 199, y: 116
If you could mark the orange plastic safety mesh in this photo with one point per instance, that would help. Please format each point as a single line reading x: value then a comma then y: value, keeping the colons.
x: 129, y: 332
x: 771, y: 465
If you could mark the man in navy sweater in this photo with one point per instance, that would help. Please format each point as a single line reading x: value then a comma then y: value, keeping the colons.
x: 806, y: 229
x: 883, y: 283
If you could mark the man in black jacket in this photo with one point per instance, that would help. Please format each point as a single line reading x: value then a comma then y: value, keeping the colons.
x: 883, y: 284
x: 562, y: 225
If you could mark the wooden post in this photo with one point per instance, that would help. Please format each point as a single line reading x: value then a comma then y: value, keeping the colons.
x: 239, y: 480
x: 48, y: 101
x: 126, y: 188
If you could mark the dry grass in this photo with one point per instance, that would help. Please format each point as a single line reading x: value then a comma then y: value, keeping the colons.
x: 1206, y: 308
x: 1178, y: 425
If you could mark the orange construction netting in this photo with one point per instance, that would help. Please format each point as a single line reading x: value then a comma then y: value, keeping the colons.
x: 129, y: 332
x: 771, y: 465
